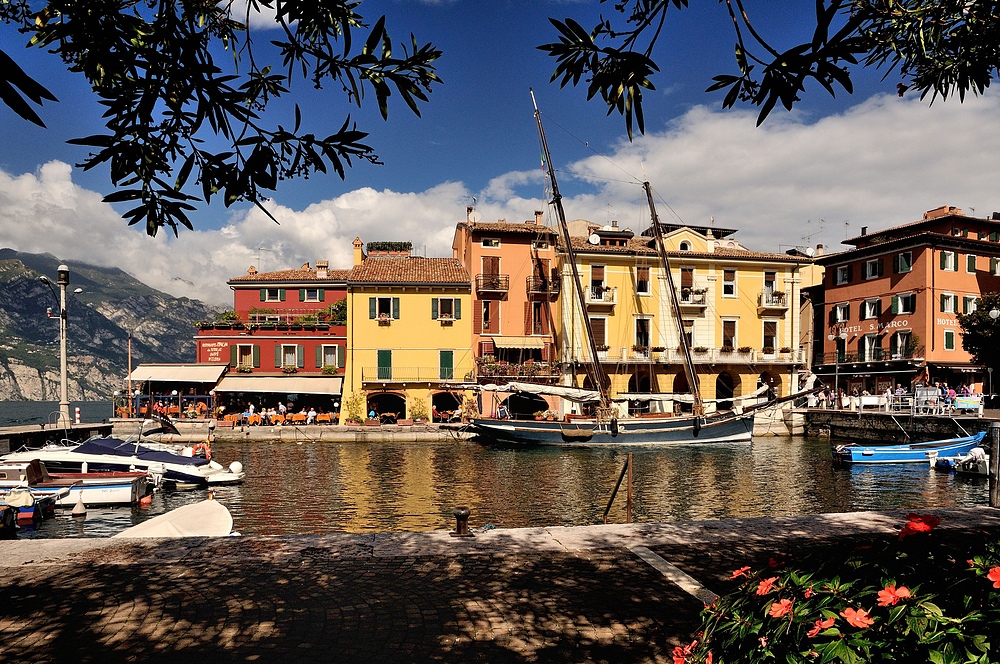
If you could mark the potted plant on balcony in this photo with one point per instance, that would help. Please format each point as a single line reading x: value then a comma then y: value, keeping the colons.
x: 384, y: 319
x: 289, y: 370
x: 726, y: 350
x: 700, y: 349
x: 244, y: 368
x: 767, y: 350
x: 639, y: 349
x: 786, y: 349
x: 745, y: 349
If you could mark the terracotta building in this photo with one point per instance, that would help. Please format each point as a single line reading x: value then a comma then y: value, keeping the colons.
x: 890, y: 304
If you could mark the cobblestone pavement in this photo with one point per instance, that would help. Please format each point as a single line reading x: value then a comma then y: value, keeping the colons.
x: 526, y: 595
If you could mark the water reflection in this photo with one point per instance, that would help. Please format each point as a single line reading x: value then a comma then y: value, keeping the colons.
x: 369, y: 487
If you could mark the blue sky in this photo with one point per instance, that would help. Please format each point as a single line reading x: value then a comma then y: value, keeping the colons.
x: 815, y: 175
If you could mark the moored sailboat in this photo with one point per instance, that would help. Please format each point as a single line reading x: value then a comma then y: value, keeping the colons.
x: 606, y: 422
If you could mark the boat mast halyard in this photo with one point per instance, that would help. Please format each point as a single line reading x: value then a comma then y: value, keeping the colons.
x: 595, y: 369
x: 698, y: 407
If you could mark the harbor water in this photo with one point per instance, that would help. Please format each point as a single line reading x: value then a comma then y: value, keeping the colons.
x: 322, y: 487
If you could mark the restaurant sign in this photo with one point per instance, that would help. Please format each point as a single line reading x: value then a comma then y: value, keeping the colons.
x: 215, y: 351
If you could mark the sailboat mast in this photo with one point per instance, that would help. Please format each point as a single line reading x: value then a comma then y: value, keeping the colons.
x: 698, y: 409
x: 601, y: 381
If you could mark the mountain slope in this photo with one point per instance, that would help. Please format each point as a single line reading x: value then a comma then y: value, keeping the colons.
x: 112, y: 305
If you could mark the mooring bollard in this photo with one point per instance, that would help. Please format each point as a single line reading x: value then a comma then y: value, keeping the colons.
x: 994, y: 436
x: 461, y: 522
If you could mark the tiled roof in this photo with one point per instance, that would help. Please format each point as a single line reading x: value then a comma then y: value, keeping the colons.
x: 529, y: 228
x: 409, y: 270
x: 292, y: 275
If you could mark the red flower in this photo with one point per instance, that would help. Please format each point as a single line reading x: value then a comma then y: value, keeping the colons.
x: 809, y: 592
x: 678, y: 654
x: 766, y: 585
x: 780, y: 608
x: 857, y: 618
x: 708, y: 658
x: 892, y: 595
x: 994, y: 576
x: 740, y: 572
x: 819, y: 626
x: 919, y: 524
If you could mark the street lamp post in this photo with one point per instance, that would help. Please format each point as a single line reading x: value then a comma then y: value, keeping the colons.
x: 62, y: 280
x: 836, y: 364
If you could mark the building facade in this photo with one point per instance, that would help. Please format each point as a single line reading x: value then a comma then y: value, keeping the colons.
x: 408, y: 332
x: 889, y: 315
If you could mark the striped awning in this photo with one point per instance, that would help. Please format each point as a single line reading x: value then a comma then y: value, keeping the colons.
x: 519, y: 342
x: 282, y: 384
x: 178, y: 373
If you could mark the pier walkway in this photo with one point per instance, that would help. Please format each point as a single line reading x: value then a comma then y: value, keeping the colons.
x: 617, y: 593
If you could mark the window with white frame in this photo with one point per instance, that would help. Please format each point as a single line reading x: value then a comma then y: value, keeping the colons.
x: 899, y: 345
x: 245, y: 355
x: 842, y: 275
x: 540, y: 244
x: 841, y: 312
x: 949, y: 339
x: 949, y: 261
x: 491, y: 242
x: 948, y: 303
x: 995, y: 267
x: 311, y: 295
x: 685, y: 246
x: 871, y: 308
x: 271, y: 294
x: 331, y: 356
x: 729, y: 333
x: 445, y: 308
x: 969, y: 303
x: 729, y: 283
x: 642, y: 280
x: 289, y: 355
x: 871, y: 347
x: 873, y: 268
x: 905, y: 303
x: 903, y: 262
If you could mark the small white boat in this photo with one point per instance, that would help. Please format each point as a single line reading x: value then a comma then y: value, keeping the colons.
x: 976, y: 462
x: 98, y: 488
x: 208, y: 518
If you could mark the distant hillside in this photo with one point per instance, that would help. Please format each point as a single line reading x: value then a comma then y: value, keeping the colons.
x: 100, y: 318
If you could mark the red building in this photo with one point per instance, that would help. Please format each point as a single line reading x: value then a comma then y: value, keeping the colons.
x: 891, y: 303
x: 286, y: 337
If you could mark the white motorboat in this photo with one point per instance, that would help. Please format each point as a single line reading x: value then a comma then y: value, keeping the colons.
x: 114, y: 454
x: 97, y: 488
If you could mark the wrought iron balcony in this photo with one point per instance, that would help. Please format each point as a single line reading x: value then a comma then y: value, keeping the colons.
x: 409, y: 375
x: 542, y: 286
x: 772, y: 302
x: 492, y: 283
x: 601, y: 296
x: 692, y: 298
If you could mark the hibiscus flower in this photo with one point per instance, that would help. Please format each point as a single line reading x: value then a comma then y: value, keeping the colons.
x: 919, y: 524
x: 766, y: 585
x: 994, y: 576
x: 819, y: 626
x: 780, y: 608
x: 857, y: 618
x: 892, y: 595
x: 740, y: 572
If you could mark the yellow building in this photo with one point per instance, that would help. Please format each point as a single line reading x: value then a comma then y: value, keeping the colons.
x: 739, y: 313
x: 409, y: 326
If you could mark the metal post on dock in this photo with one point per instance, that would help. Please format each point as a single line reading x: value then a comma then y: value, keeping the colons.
x: 994, y: 436
x: 628, y: 493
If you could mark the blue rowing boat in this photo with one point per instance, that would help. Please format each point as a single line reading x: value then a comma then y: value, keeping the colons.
x: 913, y: 453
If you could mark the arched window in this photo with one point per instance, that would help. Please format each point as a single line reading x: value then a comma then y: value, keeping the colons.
x: 685, y: 246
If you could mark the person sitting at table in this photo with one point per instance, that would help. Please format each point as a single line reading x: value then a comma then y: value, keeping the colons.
x: 311, y: 416
x: 435, y: 415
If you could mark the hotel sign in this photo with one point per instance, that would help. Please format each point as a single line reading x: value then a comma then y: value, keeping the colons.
x: 875, y: 326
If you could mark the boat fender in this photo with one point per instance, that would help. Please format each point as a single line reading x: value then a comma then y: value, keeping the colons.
x: 236, y: 467
x: 614, y: 427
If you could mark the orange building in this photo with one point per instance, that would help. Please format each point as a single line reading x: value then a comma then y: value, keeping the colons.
x: 889, y: 315
x: 516, y: 284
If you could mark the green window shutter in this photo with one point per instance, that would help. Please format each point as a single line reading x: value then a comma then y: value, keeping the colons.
x: 994, y: 236
x: 281, y: 294
x: 970, y: 263
x: 232, y: 355
x: 878, y: 308
x: 434, y: 308
x: 944, y: 302
x: 447, y: 363
x: 302, y: 295
x: 895, y: 264
x: 895, y: 304
x: 322, y: 295
x: 849, y: 270
x: 372, y: 304
x: 263, y: 295
x: 256, y: 356
x: 278, y: 352
x: 395, y: 308
x: 385, y: 365
x: 942, y: 259
x: 300, y: 356
x: 458, y: 309
x: 965, y: 305
x: 319, y: 357
x: 340, y: 355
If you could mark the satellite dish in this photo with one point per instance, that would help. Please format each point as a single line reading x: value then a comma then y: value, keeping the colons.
x: 810, y: 251
x: 475, y: 217
x: 606, y: 228
x: 594, y: 238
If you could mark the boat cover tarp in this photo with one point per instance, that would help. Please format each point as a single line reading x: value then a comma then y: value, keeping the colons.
x: 123, y: 448
x: 209, y: 518
x: 574, y: 394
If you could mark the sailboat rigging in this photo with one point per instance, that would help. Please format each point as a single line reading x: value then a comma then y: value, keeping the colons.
x: 605, y: 427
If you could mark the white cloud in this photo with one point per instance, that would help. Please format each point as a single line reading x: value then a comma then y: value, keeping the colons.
x: 881, y: 163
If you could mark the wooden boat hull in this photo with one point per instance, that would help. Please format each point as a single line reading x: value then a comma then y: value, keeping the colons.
x: 630, y: 431
x: 913, y: 453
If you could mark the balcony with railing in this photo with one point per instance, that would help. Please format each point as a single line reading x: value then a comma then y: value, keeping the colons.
x: 491, y: 370
x: 692, y: 298
x: 542, y: 286
x: 597, y: 296
x: 700, y: 355
x: 772, y: 302
x: 409, y: 375
x: 492, y: 283
x: 869, y: 355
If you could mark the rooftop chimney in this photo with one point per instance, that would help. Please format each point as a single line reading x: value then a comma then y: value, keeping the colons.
x: 864, y: 230
x: 538, y: 217
x: 614, y: 223
x: 359, y: 250
x: 321, y: 269
x: 819, y: 250
x: 468, y: 213
x: 942, y: 211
